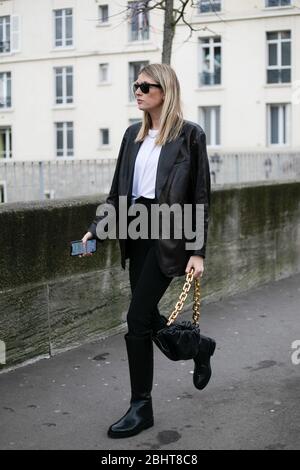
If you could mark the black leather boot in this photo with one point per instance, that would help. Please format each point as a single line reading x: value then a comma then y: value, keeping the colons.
x: 202, y: 370
x: 140, y: 414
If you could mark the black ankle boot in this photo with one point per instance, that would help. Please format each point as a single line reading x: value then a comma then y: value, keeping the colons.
x: 140, y: 414
x: 202, y: 371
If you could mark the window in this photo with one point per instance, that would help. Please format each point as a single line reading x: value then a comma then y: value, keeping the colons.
x: 4, y: 34
x: 5, y: 89
x: 3, y: 197
x: 279, y: 57
x: 139, y: 21
x: 210, y: 61
x: 63, y: 20
x: 64, y: 139
x: 63, y: 85
x: 5, y: 142
x: 277, y: 3
x: 134, y: 69
x: 278, y: 115
x: 210, y: 121
x: 103, y: 14
x: 104, y: 137
x: 104, y: 73
x: 9, y: 34
x: 207, y: 6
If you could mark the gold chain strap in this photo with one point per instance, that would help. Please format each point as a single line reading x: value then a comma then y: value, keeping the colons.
x: 182, y: 297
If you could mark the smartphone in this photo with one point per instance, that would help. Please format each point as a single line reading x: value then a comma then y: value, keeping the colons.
x: 77, y: 247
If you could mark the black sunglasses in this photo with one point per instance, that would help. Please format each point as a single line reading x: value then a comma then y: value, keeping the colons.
x: 144, y: 86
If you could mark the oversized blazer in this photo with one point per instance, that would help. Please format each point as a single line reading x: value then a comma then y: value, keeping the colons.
x: 183, y: 177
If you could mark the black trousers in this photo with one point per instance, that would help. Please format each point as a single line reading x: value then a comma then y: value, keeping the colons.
x: 147, y: 281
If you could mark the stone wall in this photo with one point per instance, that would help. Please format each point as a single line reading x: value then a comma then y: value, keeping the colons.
x: 50, y: 301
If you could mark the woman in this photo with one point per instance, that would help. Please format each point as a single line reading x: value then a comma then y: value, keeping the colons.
x: 162, y: 160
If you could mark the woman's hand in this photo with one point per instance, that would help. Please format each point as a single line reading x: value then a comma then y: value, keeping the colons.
x: 195, y: 262
x: 84, y: 239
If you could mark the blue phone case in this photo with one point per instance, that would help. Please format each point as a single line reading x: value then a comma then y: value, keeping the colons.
x: 77, y: 247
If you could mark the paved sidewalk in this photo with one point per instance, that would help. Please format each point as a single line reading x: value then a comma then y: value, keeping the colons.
x: 251, y: 402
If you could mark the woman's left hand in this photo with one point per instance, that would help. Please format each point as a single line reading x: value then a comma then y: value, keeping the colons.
x: 195, y: 262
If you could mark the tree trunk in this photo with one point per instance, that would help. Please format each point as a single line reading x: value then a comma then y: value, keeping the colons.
x: 169, y: 30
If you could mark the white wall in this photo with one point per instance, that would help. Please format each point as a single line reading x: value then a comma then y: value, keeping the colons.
x: 242, y: 96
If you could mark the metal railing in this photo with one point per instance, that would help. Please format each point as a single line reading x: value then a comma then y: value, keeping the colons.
x: 63, y: 178
x: 53, y: 179
x: 235, y: 168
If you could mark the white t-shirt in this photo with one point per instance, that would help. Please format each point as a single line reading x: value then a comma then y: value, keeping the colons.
x: 146, y: 167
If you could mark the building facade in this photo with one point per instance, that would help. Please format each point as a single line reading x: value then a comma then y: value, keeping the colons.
x: 67, y: 66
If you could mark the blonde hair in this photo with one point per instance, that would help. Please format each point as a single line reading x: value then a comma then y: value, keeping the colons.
x: 171, y: 119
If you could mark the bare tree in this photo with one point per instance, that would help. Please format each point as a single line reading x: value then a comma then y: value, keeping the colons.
x: 172, y: 15
x: 174, y: 11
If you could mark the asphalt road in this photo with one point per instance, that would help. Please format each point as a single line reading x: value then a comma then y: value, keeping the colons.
x: 251, y: 402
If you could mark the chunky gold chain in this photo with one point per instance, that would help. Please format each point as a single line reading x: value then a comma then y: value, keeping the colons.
x: 182, y: 297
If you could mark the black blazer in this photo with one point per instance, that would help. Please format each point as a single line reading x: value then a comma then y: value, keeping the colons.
x: 183, y: 177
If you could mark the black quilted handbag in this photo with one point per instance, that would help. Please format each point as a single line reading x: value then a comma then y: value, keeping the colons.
x: 180, y: 340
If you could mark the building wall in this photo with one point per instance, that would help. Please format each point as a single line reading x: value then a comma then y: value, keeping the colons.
x: 243, y: 94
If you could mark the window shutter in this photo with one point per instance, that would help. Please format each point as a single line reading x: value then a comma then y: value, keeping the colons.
x: 15, y: 33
